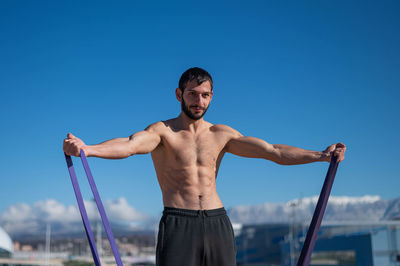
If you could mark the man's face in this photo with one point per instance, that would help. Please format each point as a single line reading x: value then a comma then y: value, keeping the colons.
x: 196, y: 99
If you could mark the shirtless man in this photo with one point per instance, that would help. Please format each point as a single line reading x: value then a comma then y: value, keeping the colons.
x: 186, y: 152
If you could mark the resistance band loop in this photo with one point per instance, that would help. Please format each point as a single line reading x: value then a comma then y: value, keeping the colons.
x: 100, y: 207
x: 305, y: 255
x: 306, y: 251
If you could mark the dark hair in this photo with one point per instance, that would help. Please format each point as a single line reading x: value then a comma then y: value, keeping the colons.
x: 194, y: 73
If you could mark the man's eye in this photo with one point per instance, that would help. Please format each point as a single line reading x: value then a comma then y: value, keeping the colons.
x: 206, y: 95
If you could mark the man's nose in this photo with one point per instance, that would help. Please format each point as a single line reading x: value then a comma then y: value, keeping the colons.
x: 197, y: 98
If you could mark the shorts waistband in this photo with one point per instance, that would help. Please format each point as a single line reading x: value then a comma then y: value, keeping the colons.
x: 194, y: 213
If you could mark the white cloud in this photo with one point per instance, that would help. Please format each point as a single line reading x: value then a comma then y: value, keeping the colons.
x: 120, y: 209
x: 52, y: 211
x: 24, y: 218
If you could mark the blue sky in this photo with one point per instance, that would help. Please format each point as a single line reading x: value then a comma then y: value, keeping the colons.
x: 306, y: 74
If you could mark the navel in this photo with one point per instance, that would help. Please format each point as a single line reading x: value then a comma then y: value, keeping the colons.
x: 200, y: 202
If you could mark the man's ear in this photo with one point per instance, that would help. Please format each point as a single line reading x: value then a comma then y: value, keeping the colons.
x: 178, y: 94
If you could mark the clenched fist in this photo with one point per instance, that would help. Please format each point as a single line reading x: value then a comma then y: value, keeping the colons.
x: 338, y: 150
x: 72, y: 146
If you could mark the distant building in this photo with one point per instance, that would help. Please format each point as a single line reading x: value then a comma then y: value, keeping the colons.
x: 358, y: 244
x: 6, y: 245
x: 260, y: 245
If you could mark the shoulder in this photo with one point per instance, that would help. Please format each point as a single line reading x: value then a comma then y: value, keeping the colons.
x: 226, y: 130
x: 156, y: 127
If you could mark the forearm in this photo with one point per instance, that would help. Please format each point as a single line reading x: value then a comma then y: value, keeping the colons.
x: 117, y: 148
x: 288, y: 155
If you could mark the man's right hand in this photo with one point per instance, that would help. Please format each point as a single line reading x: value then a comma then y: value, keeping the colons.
x: 72, y: 146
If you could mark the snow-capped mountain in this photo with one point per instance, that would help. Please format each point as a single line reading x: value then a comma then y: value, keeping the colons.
x: 392, y: 212
x: 339, y: 208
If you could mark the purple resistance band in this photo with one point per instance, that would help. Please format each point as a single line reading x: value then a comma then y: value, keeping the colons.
x: 99, y: 204
x: 305, y: 255
x: 306, y: 251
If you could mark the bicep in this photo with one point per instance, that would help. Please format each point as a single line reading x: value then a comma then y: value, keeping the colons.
x: 143, y: 142
x: 252, y: 147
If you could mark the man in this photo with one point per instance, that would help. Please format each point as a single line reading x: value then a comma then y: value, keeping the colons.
x: 186, y: 152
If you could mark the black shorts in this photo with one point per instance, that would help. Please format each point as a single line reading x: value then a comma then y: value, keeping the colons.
x: 195, y: 238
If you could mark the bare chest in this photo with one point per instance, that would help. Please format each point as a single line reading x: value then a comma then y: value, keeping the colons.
x: 188, y: 149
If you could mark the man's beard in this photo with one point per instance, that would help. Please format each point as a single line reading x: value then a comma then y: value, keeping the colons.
x: 186, y: 110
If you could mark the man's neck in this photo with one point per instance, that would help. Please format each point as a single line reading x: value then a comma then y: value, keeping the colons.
x: 186, y: 123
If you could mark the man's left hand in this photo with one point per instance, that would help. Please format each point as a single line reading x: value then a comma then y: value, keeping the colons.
x: 337, y: 150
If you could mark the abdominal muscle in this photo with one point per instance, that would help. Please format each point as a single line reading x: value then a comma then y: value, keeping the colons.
x: 191, y: 187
